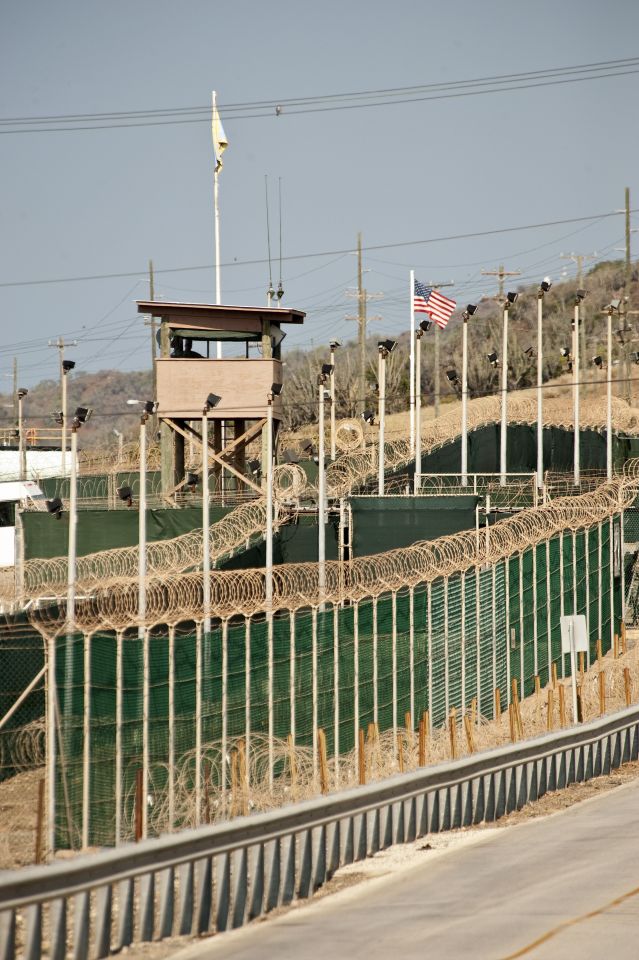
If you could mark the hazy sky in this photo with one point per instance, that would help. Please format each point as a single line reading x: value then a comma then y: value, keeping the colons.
x: 78, y: 203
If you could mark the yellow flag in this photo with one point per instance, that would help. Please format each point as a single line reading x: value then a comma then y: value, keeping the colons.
x: 220, y: 143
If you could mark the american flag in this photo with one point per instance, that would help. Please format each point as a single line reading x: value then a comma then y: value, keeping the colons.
x: 428, y: 300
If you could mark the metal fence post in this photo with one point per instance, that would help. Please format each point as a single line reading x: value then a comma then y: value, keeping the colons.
x: 86, y: 746
x: 375, y: 666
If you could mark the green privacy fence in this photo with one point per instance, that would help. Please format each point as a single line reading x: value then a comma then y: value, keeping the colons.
x: 173, y: 702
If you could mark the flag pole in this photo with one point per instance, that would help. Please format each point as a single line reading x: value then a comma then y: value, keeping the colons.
x: 411, y: 373
x: 218, y: 283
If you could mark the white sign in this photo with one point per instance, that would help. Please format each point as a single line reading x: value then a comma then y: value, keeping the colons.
x: 574, y: 634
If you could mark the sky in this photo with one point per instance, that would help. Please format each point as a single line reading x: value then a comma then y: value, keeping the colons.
x: 90, y: 202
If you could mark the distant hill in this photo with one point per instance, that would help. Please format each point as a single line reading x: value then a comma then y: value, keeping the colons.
x: 107, y: 391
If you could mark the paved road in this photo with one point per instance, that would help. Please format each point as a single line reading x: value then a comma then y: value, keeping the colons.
x: 555, y: 878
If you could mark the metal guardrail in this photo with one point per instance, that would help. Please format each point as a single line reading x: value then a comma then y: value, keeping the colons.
x: 220, y: 877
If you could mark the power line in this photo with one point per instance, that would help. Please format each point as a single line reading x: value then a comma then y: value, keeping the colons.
x: 340, y: 101
x: 322, y: 253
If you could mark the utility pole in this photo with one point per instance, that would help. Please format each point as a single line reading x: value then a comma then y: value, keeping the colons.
x: 15, y: 389
x: 60, y: 345
x: 362, y: 297
x: 626, y: 302
x: 580, y: 259
x: 501, y: 274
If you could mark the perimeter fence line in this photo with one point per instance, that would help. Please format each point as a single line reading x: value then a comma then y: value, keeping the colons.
x: 434, y: 627
x: 220, y: 877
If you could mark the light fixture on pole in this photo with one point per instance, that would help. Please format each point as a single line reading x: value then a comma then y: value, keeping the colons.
x: 609, y: 310
x: 149, y: 407
x: 66, y: 367
x: 384, y: 348
x: 423, y: 328
x: 211, y: 401
x: 469, y: 312
x: 81, y: 416
x: 511, y: 298
x: 334, y: 344
x: 321, y: 484
x: 275, y: 391
x: 544, y: 287
x: 579, y: 296
x: 22, y: 393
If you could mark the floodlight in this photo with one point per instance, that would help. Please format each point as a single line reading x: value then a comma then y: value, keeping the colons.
x: 22, y: 392
x: 545, y: 285
x: 67, y: 365
x: 425, y: 325
x: 565, y: 352
x: 581, y: 295
x: 529, y: 353
x: 290, y: 456
x: 327, y: 369
x: 613, y: 306
x: 511, y: 297
x: 58, y: 416
x: 368, y: 417
x: 470, y: 311
x: 452, y: 376
x: 334, y: 344
x: 386, y: 345
x: 254, y: 466
x: 276, y: 389
x: 192, y: 480
x: 55, y: 507
x: 212, y: 401
x: 126, y: 495
x: 598, y: 361
x: 150, y: 406
x: 492, y: 358
x: 82, y: 414
x: 307, y: 447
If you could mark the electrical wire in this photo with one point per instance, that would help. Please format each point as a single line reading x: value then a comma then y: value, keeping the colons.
x: 340, y: 101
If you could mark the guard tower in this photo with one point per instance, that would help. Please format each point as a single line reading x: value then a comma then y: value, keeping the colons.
x: 188, y: 371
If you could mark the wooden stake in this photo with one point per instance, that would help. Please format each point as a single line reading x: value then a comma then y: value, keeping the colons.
x: 400, y: 752
x: 562, y: 705
x: 468, y: 726
x: 452, y: 729
x: 520, y: 725
x: 408, y: 723
x: 515, y: 692
x: 602, y: 693
x: 627, y: 686
x: 243, y: 771
x: 497, y: 703
x: 423, y: 734
x: 513, y: 722
x: 537, y: 684
x: 582, y: 663
x: 361, y: 758
x: 473, y: 711
x: 554, y: 675
x: 321, y: 743
x: 550, y: 721
x: 234, y: 783
x: 207, y: 791
x: 615, y: 645
x: 39, y: 822
x: 138, y: 804
x: 622, y: 639
x: 580, y: 703
x: 599, y: 654
x: 292, y: 763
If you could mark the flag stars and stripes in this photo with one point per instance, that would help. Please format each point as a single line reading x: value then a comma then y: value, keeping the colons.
x: 430, y: 301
